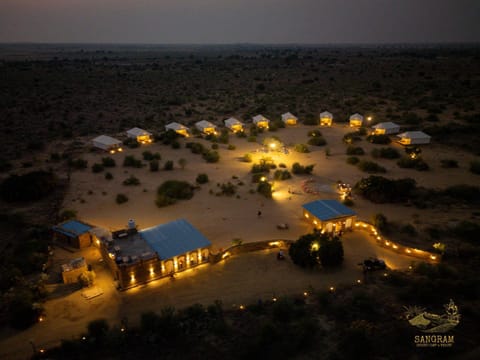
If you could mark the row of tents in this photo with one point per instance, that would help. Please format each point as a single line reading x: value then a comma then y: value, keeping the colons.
x: 113, y: 145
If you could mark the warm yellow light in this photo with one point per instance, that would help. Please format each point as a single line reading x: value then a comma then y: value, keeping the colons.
x: 120, y: 149
x: 225, y: 255
x: 307, y: 216
x: 408, y: 251
x: 364, y: 225
x: 332, y: 288
x: 369, y: 118
x: 152, y: 272
x: 433, y: 257
x: 132, y: 277
x: 385, y: 274
x: 395, y: 247
x: 263, y: 178
x: 315, y: 246
x: 387, y: 243
x: 315, y: 222
x: 379, y: 238
x: 41, y: 318
x: 359, y: 281
x: 98, y: 242
x: 273, y: 145
x: 111, y: 256
x: 273, y: 243
x: 274, y: 299
x: 357, y: 224
x: 112, y: 151
x: 242, y: 307
x: 305, y: 293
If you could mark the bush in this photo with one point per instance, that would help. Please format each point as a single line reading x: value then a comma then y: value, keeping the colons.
x: 175, y: 144
x: 298, y: 169
x: 78, y: 164
x: 475, y: 166
x: 282, y: 175
x: 381, y: 190
x: 371, y: 167
x: 29, y: 187
x: 449, y: 163
x: 265, y: 188
x: 353, y: 160
x: 301, y: 148
x: 148, y: 156
x: 317, y: 141
x: 386, y: 153
x: 314, y: 133
x: 131, y: 181
x: 228, y: 189
x: 380, y: 221
x: 130, y: 161
x: 96, y: 168
x: 154, y: 165
x: 379, y: 139
x: 247, y: 158
x: 121, y: 198
x: 196, y: 148
x: 168, y: 166
x: 108, y: 162
x: 202, y: 179
x: 330, y: 251
x: 355, y: 150
x: 172, y: 190
x: 409, y: 163
x: 214, y: 146
x: 231, y: 147
x: 68, y: 215
x: 252, y: 138
x: 351, y: 137
x: 108, y: 176
x: 211, y: 156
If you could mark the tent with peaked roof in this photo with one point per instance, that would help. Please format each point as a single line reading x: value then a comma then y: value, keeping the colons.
x: 178, y: 128
x: 326, y: 118
x: 142, y: 136
x: 205, y: 127
x: 289, y: 119
x: 261, y: 121
x: 234, y: 124
x: 414, y: 138
x: 356, y: 120
x: 386, y: 128
x: 107, y: 143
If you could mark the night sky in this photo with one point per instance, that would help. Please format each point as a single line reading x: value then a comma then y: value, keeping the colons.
x: 240, y: 21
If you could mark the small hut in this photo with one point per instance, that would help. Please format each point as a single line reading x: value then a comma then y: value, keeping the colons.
x: 326, y: 118
x: 142, y: 136
x: 356, y: 120
x: 107, y: 143
x: 73, y: 233
x: 234, y: 124
x: 289, y: 119
x: 386, y: 128
x: 261, y: 121
x: 206, y: 127
x: 178, y: 128
x: 414, y: 138
x: 329, y: 215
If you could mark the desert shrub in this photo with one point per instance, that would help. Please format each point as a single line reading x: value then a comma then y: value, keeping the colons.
x: 466, y: 230
x: 247, y: 158
x: 130, y: 161
x: 355, y: 150
x: 175, y: 144
x: 211, y: 156
x: 353, y: 160
x: 214, y: 146
x: 202, y: 178
x: 262, y: 167
x: 380, y: 221
x: 408, y: 229
x: 131, y: 143
x: 282, y: 165
x: 196, y: 148
x: 131, y: 181
x: 371, y: 167
x: 409, y: 163
x: 6, y: 165
x: 231, y: 147
x: 29, y: 187
x: 154, y: 165
x: 228, y: 189
x: 68, y: 214
x: 314, y: 133
x: 298, y: 169
x: 330, y: 252
x: 108, y: 162
x: 108, y: 176
x: 379, y: 139
x: 467, y: 193
x: 265, y: 188
x: 301, y: 148
x: 449, y: 163
x: 351, y: 137
x: 224, y: 137
x: 282, y: 175
x: 348, y: 202
x: 168, y: 165
x: 148, y: 156
x: 382, y: 190
x: 121, y: 198
x: 317, y: 141
x: 252, y: 138
x: 386, y: 153
x: 172, y: 190
x: 310, y: 119
x: 96, y: 168
x: 78, y: 164
x: 475, y: 166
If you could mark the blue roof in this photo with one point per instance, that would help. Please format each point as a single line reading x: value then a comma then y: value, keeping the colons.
x: 328, y: 209
x: 72, y: 228
x: 174, y: 238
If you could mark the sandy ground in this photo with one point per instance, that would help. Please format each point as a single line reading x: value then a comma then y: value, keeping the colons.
x: 243, y: 278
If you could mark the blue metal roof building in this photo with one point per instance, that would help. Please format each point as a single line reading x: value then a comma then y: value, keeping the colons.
x: 174, y: 238
x: 325, y: 210
x: 72, y: 228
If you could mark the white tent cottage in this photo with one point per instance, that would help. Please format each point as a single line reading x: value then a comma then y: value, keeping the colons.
x: 234, y: 124
x: 205, y: 127
x: 356, y: 120
x: 178, y: 128
x: 289, y: 119
x: 386, y: 128
x: 142, y: 136
x: 326, y: 118
x: 414, y: 138
x: 261, y: 121
x: 107, y: 143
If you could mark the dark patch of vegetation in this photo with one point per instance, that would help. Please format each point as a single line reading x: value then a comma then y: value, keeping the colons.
x: 371, y: 167
x: 299, y: 169
x: 211, y: 156
x: 32, y: 186
x: 379, y: 139
x: 148, y: 156
x: 121, y: 198
x: 168, y: 166
x: 131, y: 161
x: 265, y: 188
x: 172, y: 190
x: 78, y: 164
x: 202, y: 178
x: 131, y: 181
x: 96, y: 168
x: 313, y: 249
x: 108, y: 162
x: 386, y: 153
x: 154, y: 165
x: 409, y: 163
x: 382, y: 190
x: 449, y: 163
x: 353, y: 160
x: 475, y: 167
x: 282, y: 175
x: 301, y: 148
x: 355, y: 150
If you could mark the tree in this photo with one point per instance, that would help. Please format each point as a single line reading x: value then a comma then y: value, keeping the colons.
x: 265, y: 188
x: 303, y: 253
x: 182, y: 162
x: 29, y: 187
x: 330, y: 251
x: 202, y: 178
